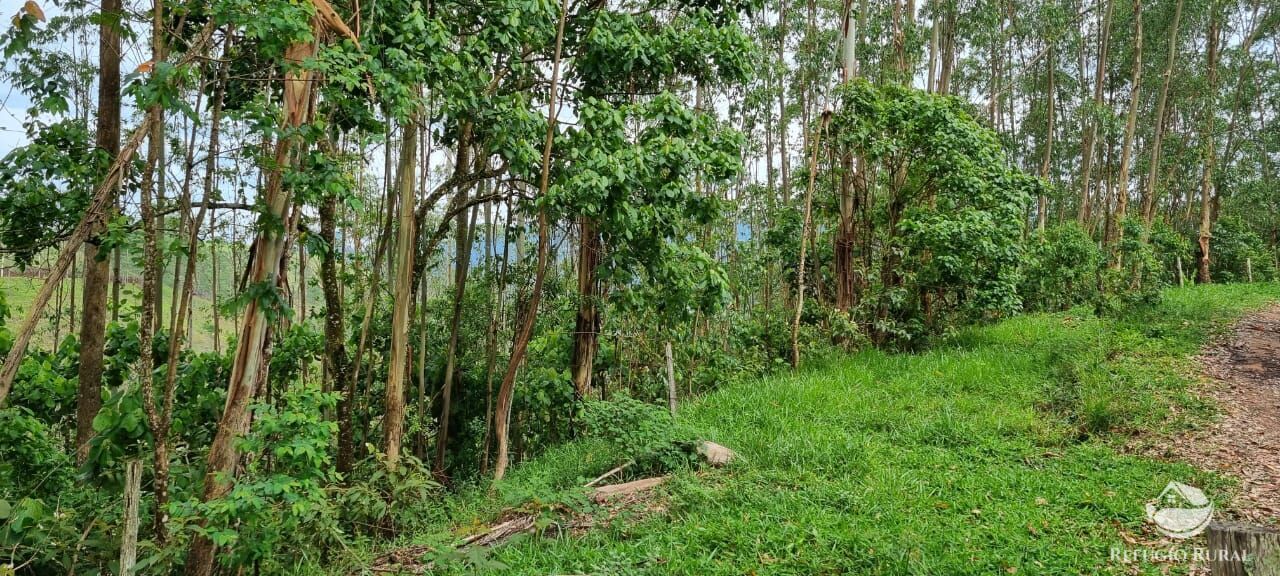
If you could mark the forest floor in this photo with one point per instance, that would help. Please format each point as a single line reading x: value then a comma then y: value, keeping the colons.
x: 1030, y: 446
x: 1244, y: 368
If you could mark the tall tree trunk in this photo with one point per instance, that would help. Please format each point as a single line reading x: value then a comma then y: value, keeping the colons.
x: 163, y: 419
x: 948, y: 48
x: 71, y: 318
x: 1207, y: 144
x: 184, y: 214
x: 464, y: 234
x: 931, y: 75
x: 152, y: 292
x: 337, y: 365
x: 846, y: 238
x: 502, y: 411
x: 780, y: 193
x: 900, y: 40
x: 393, y: 422
x: 422, y: 402
x: 496, y: 309
x: 586, y: 337
x: 251, y: 361
x: 1153, y: 174
x: 115, y: 280
x: 783, y: 132
x: 96, y: 275
x: 379, y: 252
x: 213, y: 291
x: 1046, y: 161
x: 1089, y: 145
x: 159, y: 176
x: 804, y: 232
x: 1131, y: 123
x: 761, y: 213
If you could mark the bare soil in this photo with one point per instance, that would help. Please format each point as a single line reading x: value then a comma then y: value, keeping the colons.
x: 1245, y: 442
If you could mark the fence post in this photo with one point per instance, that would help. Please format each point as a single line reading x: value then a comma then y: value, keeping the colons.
x: 129, y: 540
x: 671, y: 380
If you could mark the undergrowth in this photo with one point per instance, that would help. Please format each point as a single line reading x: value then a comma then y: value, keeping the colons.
x: 999, y: 450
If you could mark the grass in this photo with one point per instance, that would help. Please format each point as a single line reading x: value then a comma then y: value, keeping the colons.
x: 19, y: 293
x: 999, y: 451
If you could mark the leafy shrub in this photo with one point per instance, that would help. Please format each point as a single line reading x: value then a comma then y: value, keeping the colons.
x: 1160, y: 257
x: 32, y: 463
x: 1061, y: 269
x: 281, y: 501
x: 645, y: 433
x: 1234, y: 249
x: 951, y: 250
x: 301, y: 346
x: 120, y: 433
x: 35, y: 532
x: 378, y: 499
x: 38, y: 496
x: 47, y: 381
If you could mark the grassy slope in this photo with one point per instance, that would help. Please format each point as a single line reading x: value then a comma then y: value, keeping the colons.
x: 981, y: 456
x: 20, y: 292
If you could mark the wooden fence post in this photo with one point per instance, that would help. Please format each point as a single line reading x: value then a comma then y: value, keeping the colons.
x: 671, y: 380
x: 1248, y: 269
x: 132, y: 493
x: 1181, y: 278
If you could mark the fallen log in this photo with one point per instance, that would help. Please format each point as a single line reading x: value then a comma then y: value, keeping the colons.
x: 406, y: 560
x: 605, y: 493
x: 499, y: 532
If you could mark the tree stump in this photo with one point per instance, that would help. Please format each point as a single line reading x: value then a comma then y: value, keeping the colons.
x: 1239, y: 549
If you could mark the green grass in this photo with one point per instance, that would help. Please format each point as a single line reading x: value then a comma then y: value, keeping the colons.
x: 20, y: 292
x: 1000, y: 450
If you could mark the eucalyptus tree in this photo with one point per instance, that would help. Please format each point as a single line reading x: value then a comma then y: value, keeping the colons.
x: 1172, y: 45
x: 1115, y: 234
x: 1213, y: 39
x: 631, y: 172
x: 291, y: 40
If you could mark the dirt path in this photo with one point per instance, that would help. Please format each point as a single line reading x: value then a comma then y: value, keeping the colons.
x: 1245, y: 443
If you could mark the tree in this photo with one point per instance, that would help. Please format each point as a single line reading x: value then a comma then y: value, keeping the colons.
x: 96, y: 278
x: 1090, y: 136
x: 251, y: 354
x: 397, y: 371
x: 1212, y: 39
x: 502, y: 410
x: 1153, y: 174
x: 1116, y: 234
